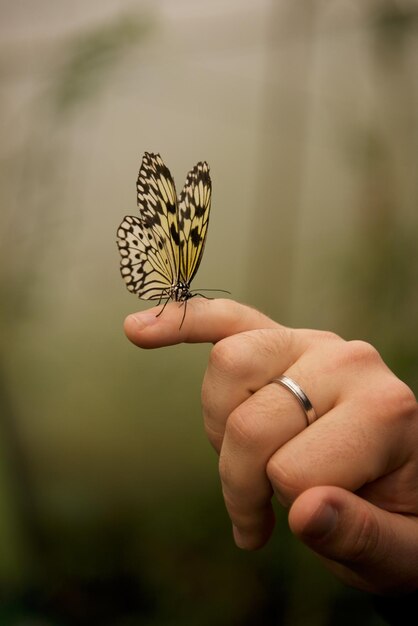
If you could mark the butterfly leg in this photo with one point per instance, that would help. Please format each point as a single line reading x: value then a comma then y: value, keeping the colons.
x: 164, y: 305
x: 184, y: 314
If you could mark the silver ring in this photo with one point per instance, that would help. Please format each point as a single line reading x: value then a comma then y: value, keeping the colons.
x: 300, y: 395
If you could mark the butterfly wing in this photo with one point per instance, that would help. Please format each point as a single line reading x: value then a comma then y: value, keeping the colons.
x: 194, y: 208
x: 149, y: 244
x: 145, y: 270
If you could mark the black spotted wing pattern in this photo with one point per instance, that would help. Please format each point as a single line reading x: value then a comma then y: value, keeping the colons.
x: 161, y: 249
x: 194, y: 208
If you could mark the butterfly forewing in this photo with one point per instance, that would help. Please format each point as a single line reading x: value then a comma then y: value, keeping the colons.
x: 157, y: 203
x: 194, y: 208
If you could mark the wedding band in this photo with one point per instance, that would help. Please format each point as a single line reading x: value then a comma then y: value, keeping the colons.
x: 300, y: 395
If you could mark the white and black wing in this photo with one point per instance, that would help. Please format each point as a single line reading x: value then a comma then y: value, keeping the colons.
x: 194, y: 209
x: 149, y: 244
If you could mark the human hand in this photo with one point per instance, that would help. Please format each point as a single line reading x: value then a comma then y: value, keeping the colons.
x: 350, y: 479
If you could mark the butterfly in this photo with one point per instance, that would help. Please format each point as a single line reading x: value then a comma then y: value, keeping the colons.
x: 161, y: 249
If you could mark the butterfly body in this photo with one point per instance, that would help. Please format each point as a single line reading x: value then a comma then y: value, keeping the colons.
x: 180, y: 292
x: 161, y: 249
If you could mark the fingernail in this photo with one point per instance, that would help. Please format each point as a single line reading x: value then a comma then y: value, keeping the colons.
x: 144, y: 319
x: 322, y: 522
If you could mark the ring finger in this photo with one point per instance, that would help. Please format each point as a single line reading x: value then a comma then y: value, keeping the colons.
x: 254, y: 431
x: 242, y: 364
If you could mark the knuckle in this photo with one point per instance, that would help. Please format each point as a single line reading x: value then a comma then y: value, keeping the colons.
x: 407, y: 401
x: 287, y: 484
x: 242, y: 429
x: 223, y: 355
x: 398, y: 400
x: 215, y: 437
x: 328, y: 335
x: 359, y: 351
x: 235, y: 354
x: 232, y: 356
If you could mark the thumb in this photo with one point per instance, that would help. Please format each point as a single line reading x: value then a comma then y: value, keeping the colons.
x: 367, y: 547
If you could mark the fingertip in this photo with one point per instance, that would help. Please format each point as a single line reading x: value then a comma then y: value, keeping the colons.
x: 254, y: 536
x: 136, y: 325
x: 169, y: 324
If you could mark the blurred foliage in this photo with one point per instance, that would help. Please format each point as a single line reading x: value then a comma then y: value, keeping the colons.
x: 182, y: 570
x: 90, y: 58
x: 87, y: 63
x: 380, y: 271
x: 393, y: 23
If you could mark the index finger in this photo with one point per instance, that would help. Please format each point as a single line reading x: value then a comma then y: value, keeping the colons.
x: 205, y: 321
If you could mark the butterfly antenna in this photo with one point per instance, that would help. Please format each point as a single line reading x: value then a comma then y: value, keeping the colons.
x: 198, y: 291
x: 202, y: 295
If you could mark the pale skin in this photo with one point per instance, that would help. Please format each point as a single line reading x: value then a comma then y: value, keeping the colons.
x: 349, y: 480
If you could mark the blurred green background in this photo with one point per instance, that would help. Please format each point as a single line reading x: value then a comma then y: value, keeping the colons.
x: 110, y: 508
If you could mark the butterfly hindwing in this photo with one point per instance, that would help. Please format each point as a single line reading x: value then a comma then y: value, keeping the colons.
x: 146, y: 271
